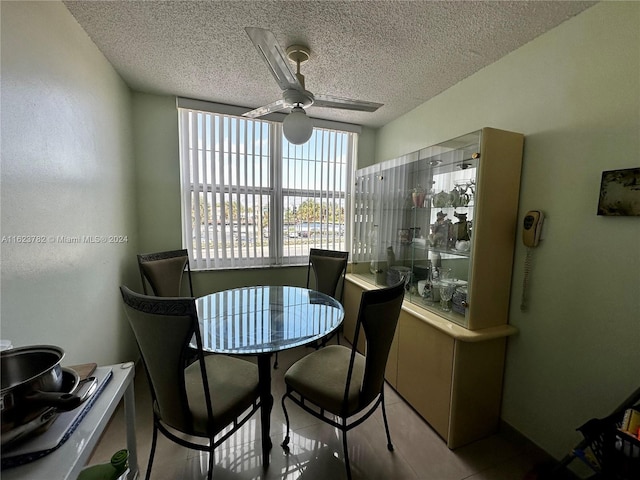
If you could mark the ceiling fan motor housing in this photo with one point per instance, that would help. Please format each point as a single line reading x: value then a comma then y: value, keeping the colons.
x: 293, y: 97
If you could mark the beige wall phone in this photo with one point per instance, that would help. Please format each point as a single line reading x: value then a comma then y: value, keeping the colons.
x: 530, y: 236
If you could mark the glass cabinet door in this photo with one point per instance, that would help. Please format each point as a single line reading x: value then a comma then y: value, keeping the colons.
x: 366, y: 211
x: 441, y: 218
x: 380, y: 211
x: 414, y: 222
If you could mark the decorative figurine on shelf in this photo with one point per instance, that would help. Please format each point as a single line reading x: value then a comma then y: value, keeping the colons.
x: 417, y: 196
x: 391, y: 257
x: 454, y: 198
x: 425, y: 288
x: 440, y: 199
x: 440, y: 231
x: 463, y: 245
x: 461, y: 227
x: 459, y: 196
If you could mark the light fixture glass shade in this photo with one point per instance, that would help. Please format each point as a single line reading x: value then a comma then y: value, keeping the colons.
x: 297, y: 127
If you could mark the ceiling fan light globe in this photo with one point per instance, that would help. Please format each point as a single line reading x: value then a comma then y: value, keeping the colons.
x: 297, y: 127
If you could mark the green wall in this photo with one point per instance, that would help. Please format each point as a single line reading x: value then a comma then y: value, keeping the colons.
x: 575, y: 95
x: 67, y: 171
x: 366, y: 147
x: 155, y: 121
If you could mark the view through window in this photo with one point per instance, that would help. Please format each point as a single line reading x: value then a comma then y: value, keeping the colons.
x: 250, y: 198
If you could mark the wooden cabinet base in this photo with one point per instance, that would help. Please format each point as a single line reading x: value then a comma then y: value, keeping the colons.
x: 425, y: 371
x: 476, y: 393
x: 453, y: 381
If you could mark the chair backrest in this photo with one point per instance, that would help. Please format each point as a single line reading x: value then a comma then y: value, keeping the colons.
x: 378, y: 316
x: 163, y: 328
x: 164, y: 271
x: 330, y: 268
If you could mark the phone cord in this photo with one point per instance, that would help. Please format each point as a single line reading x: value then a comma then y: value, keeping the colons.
x: 525, y: 283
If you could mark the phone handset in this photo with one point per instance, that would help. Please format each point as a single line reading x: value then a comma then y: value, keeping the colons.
x: 530, y: 237
x: 532, y: 227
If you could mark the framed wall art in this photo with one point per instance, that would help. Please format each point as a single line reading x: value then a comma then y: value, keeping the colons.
x: 620, y: 193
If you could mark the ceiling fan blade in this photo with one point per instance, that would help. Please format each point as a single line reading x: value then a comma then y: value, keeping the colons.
x: 331, y: 101
x: 262, y: 111
x: 275, y: 58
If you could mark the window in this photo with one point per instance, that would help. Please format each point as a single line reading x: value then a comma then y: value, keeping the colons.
x: 251, y: 199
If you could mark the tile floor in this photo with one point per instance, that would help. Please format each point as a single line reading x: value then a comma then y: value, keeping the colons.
x: 316, y: 448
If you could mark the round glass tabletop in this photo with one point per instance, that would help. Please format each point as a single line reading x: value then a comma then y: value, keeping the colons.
x: 265, y: 319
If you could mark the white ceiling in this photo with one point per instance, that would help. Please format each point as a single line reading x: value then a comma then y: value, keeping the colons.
x: 399, y: 53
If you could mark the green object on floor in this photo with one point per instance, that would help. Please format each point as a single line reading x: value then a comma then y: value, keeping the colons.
x: 107, y: 471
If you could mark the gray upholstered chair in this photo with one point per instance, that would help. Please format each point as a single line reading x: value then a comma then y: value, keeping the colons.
x: 329, y: 268
x: 201, y: 399
x: 337, y: 381
x: 163, y: 271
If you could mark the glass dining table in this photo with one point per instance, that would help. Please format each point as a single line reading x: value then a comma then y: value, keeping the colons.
x: 261, y: 320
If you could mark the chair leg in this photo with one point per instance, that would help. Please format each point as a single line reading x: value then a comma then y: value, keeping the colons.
x: 386, y: 423
x: 285, y: 442
x: 346, y: 449
x: 154, y: 440
x: 275, y: 363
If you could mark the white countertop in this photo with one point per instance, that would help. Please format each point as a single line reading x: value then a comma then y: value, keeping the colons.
x: 70, y: 457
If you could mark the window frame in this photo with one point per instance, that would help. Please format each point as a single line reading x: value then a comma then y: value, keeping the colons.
x: 275, y: 192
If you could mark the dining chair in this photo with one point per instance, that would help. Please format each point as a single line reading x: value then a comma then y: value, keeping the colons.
x: 329, y: 268
x: 338, y: 381
x: 163, y: 271
x: 201, y: 399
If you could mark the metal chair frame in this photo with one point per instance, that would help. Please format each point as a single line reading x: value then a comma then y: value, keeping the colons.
x: 337, y: 282
x: 386, y: 294
x: 185, y: 306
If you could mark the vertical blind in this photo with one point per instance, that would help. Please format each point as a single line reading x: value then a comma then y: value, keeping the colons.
x: 252, y: 199
x: 379, y: 191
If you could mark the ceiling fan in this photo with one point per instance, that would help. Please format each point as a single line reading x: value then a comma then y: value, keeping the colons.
x: 297, y: 127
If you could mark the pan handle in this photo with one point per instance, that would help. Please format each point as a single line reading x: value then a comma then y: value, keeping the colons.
x: 64, y: 402
x: 87, y: 388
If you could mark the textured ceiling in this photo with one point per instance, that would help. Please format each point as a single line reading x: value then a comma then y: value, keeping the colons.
x: 399, y: 53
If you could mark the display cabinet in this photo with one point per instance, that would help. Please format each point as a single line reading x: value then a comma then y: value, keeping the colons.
x: 444, y: 220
